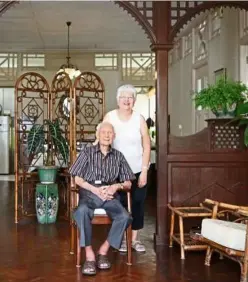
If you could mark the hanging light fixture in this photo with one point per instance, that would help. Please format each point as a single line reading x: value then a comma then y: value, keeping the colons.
x: 69, y: 68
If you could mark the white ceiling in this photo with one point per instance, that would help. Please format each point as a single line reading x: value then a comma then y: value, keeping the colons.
x: 96, y: 25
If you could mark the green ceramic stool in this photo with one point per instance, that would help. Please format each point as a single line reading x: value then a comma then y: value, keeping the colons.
x: 46, y: 202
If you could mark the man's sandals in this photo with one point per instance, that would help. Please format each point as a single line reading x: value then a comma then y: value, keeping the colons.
x: 89, y: 267
x: 103, y: 262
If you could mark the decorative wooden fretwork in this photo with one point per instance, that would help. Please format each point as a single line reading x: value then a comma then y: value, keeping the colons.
x: 201, y: 35
x: 5, y: 5
x: 89, y: 108
x: 142, y: 12
x: 138, y: 66
x: 32, y: 107
x: 61, y: 95
x: 145, y: 8
x: 225, y: 136
x: 180, y: 8
x: 8, y: 66
x: 106, y: 61
x: 33, y: 60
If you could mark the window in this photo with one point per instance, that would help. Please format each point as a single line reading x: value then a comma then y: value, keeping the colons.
x: 7, y: 100
x: 8, y: 66
x: 243, y: 23
x: 201, y: 41
x: 106, y: 61
x: 200, y: 114
x: 187, y: 44
x: 138, y: 66
x: 144, y: 104
x: 216, y: 22
x: 33, y: 60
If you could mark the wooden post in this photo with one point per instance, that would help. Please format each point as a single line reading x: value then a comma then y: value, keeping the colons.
x: 161, y: 20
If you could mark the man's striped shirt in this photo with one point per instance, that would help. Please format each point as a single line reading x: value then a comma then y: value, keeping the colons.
x: 92, y: 165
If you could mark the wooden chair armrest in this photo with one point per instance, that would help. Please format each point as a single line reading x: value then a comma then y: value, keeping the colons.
x: 129, y: 201
x: 225, y: 205
x: 243, y: 212
x: 75, y: 190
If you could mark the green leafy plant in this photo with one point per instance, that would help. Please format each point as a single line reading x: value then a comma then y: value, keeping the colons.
x: 57, y: 142
x: 221, y: 97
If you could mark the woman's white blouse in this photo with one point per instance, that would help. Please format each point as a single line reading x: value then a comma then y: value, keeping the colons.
x: 128, y: 138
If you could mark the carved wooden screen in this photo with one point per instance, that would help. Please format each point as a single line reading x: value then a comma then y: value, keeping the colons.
x: 61, y: 95
x: 32, y: 106
x: 78, y: 111
x: 88, y: 109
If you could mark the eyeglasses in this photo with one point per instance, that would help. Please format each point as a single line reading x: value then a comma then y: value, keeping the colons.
x: 127, y: 98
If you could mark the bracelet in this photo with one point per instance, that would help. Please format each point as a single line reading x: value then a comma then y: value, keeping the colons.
x: 145, y: 167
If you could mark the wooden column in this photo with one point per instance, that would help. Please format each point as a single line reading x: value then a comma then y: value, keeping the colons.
x: 161, y: 19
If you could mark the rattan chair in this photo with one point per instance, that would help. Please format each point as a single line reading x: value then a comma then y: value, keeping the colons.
x: 99, y: 218
x: 232, y: 214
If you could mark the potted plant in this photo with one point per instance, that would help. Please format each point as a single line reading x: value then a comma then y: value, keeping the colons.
x: 221, y: 98
x: 55, y: 143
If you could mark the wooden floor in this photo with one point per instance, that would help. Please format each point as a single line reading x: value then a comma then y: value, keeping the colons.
x: 32, y: 252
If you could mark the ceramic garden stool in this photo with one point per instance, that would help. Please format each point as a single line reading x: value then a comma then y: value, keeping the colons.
x: 46, y: 202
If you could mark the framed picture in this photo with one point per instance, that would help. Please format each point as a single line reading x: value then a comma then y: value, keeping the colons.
x: 220, y: 73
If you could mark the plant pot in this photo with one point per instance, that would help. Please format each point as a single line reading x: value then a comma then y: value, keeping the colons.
x: 47, y: 174
x: 225, y: 112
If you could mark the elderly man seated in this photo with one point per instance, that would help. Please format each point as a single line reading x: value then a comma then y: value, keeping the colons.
x: 100, y: 171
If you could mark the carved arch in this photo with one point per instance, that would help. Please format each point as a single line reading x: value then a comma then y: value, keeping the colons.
x: 139, y: 18
x: 208, y: 5
x: 5, y: 5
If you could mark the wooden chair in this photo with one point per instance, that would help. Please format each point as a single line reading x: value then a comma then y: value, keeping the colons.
x: 100, y: 217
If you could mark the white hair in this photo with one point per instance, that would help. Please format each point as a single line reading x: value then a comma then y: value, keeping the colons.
x: 126, y: 88
x: 102, y: 124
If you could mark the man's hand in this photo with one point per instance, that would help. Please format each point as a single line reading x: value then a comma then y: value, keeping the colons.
x: 142, y: 179
x: 109, y: 191
x: 100, y: 192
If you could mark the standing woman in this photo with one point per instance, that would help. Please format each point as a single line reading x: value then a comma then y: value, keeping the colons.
x: 133, y: 140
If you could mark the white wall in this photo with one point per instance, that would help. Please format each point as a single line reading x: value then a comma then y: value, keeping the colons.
x: 223, y: 52
x: 180, y: 104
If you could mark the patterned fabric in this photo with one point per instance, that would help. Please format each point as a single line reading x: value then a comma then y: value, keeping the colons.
x: 92, y: 165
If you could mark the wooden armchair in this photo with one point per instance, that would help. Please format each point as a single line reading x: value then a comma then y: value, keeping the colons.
x: 100, y: 217
x: 227, y: 237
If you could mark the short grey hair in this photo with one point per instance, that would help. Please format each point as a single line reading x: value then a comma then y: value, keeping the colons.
x: 126, y: 88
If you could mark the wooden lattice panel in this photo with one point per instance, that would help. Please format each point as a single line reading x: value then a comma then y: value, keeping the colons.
x: 225, y: 137
x: 145, y: 8
x: 89, y: 107
x: 180, y: 8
